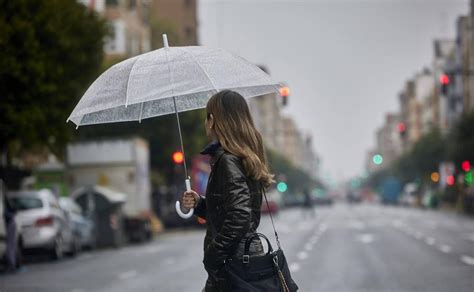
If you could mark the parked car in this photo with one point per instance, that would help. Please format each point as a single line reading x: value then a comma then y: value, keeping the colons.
x: 44, y: 225
x: 271, y: 208
x: 275, y: 200
x: 83, y: 228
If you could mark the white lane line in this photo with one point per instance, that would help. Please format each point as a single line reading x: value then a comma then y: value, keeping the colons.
x: 365, y: 238
x: 170, y: 261
x: 77, y: 290
x: 467, y: 260
x: 430, y: 241
x: 153, y: 249
x: 418, y: 235
x: 357, y: 224
x: 397, y: 223
x: 127, y: 275
x: 294, y: 267
x: 302, y: 255
x: 445, y: 248
x: 323, y: 227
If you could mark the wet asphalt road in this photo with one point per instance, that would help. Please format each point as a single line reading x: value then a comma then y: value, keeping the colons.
x: 342, y: 248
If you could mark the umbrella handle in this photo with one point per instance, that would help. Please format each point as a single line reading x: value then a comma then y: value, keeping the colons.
x: 178, y: 204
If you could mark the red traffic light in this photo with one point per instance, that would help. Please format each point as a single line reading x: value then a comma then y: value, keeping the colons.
x: 444, y: 79
x: 450, y: 180
x: 466, y: 165
x: 284, y: 91
x: 178, y: 157
x: 401, y: 127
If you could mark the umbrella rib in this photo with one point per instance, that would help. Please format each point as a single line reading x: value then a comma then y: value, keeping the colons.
x: 202, y: 69
x: 141, y: 111
x: 128, y: 81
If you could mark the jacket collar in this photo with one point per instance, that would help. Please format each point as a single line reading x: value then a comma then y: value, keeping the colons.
x: 215, y: 150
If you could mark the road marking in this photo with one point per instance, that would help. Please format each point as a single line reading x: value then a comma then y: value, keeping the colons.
x: 467, y: 260
x: 418, y: 235
x: 294, y: 267
x: 127, y: 275
x: 170, y: 261
x: 357, y: 224
x: 323, y: 227
x: 445, y: 248
x: 77, y: 290
x: 430, y: 241
x: 153, y: 249
x: 302, y: 255
x: 366, y: 238
x: 397, y: 223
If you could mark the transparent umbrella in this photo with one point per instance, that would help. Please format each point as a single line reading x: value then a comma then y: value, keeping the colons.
x: 165, y: 81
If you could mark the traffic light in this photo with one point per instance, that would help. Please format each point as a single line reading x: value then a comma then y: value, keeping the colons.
x: 444, y: 82
x: 284, y: 93
x: 402, y: 128
x: 450, y: 180
x: 178, y: 157
x: 377, y: 159
x: 435, y: 177
x: 466, y: 165
x: 469, y: 178
x: 282, y: 187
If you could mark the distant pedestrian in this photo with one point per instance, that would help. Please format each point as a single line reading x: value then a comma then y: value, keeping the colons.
x: 234, y: 192
x: 10, y: 226
x: 308, y: 209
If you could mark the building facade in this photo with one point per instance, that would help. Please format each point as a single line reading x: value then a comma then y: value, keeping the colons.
x: 178, y: 18
x: 129, y: 26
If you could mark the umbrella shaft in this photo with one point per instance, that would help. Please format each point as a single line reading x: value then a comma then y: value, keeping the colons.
x: 180, y: 137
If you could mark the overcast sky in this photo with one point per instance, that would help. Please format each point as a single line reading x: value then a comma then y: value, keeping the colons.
x: 345, y: 61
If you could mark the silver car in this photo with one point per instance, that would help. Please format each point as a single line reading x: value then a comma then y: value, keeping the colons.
x: 44, y: 225
x: 82, y: 227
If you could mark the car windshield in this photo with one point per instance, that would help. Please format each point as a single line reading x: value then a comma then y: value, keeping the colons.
x: 26, y: 203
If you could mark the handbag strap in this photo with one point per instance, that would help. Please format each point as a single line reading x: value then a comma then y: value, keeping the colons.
x: 271, y: 217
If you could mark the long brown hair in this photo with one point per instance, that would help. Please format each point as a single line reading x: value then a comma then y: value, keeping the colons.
x: 237, y: 134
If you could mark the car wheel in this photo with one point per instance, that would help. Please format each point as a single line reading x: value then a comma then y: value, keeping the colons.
x: 58, y: 248
x: 76, y: 246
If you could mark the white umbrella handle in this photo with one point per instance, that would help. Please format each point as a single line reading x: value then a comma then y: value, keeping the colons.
x: 178, y: 204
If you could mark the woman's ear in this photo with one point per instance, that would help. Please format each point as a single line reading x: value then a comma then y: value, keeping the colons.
x: 211, y: 121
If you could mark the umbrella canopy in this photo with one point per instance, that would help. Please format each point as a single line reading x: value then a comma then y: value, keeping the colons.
x: 165, y: 81
x: 147, y: 85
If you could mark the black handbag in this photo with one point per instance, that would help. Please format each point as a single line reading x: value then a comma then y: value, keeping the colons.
x: 268, y: 272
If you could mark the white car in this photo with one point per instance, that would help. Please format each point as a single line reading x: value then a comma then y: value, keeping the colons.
x: 44, y: 225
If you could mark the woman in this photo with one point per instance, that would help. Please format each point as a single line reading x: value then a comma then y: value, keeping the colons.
x: 234, y: 191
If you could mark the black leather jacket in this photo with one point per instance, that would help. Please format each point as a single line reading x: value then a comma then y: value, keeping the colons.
x: 231, y: 209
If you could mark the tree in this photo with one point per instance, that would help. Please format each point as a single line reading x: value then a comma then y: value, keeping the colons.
x: 461, y: 146
x: 49, y: 52
x: 296, y: 178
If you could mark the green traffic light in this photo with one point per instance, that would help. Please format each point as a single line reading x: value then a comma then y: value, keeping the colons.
x: 282, y: 187
x: 377, y: 159
x: 469, y: 178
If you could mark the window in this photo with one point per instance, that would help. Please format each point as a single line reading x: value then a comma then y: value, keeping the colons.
x: 26, y: 203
